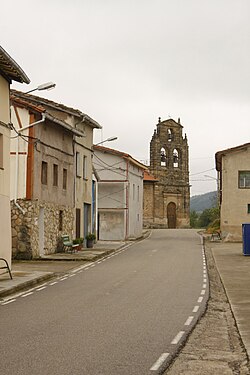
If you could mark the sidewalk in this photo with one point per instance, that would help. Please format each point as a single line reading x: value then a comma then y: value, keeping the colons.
x: 29, y: 273
x: 234, y: 270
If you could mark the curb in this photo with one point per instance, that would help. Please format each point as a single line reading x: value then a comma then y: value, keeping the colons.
x: 27, y: 284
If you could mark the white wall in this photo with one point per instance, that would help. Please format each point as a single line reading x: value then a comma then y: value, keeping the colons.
x: 18, y: 157
x: 120, y: 207
x: 5, y: 220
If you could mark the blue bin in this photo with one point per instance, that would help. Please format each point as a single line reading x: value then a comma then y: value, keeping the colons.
x: 246, y: 238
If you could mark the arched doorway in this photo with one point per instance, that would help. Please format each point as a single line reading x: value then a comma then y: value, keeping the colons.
x: 171, y: 215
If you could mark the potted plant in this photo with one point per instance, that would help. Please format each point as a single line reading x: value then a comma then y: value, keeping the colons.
x: 90, y: 238
x: 79, y: 242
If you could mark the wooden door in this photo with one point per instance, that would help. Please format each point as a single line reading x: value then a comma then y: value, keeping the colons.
x: 171, y: 215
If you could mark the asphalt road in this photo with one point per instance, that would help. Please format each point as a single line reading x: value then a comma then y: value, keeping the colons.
x: 124, y: 315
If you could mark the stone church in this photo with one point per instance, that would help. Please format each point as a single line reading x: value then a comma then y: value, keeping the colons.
x: 166, y: 184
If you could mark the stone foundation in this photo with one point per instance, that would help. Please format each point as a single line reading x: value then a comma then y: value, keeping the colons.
x: 26, y: 226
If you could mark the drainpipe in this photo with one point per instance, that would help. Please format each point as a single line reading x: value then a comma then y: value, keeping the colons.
x: 17, y: 159
x: 127, y: 202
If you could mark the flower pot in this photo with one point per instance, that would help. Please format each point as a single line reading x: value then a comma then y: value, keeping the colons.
x: 90, y: 243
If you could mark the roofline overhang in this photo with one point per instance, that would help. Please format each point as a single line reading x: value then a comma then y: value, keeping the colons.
x: 75, y: 131
x: 59, y: 107
x: 11, y: 69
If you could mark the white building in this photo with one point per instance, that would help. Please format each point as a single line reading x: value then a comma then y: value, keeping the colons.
x: 120, y: 194
x: 9, y: 71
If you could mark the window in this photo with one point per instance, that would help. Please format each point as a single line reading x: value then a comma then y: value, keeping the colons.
x: 138, y: 193
x: 1, y: 151
x: 248, y: 208
x: 84, y: 171
x: 244, y: 179
x: 133, y: 191
x: 78, y: 166
x: 44, y: 173
x: 55, y: 175
x: 64, y: 178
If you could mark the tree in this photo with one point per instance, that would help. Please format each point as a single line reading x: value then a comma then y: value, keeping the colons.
x: 194, y: 217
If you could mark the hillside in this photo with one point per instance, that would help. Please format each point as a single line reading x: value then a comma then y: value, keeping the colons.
x: 201, y: 202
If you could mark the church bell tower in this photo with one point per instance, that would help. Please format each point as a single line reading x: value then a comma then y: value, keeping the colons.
x: 169, y: 164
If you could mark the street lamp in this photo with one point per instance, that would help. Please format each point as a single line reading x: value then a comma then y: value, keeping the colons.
x: 44, y: 86
x: 110, y: 139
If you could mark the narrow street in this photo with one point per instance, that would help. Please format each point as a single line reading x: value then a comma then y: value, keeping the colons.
x: 126, y: 314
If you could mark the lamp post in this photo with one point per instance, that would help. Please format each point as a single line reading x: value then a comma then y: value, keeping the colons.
x: 44, y: 86
x: 110, y: 139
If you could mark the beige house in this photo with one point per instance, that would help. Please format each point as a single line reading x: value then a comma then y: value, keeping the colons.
x: 233, y: 166
x: 120, y: 194
x: 51, y: 174
x: 9, y: 71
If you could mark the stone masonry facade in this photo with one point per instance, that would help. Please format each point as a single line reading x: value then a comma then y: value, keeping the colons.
x: 27, y: 227
x: 167, y: 200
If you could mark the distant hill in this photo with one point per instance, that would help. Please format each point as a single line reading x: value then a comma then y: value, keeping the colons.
x: 201, y: 202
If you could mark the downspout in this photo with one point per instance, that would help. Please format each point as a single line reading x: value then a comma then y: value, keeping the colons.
x: 17, y: 160
x: 127, y: 202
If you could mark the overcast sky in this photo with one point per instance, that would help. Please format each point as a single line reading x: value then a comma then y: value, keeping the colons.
x: 127, y: 62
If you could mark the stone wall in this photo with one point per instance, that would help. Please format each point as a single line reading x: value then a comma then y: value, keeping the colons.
x: 26, y: 227
x: 169, y: 164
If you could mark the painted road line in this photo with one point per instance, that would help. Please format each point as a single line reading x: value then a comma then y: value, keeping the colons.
x: 195, y: 309
x: 27, y: 294
x: 177, y: 338
x: 39, y: 289
x: 203, y: 292
x: 64, y: 278
x: 204, y: 280
x: 159, y: 362
x: 39, y: 286
x: 73, y: 274
x: 55, y: 282
x: 80, y: 268
x: 10, y: 301
x: 204, y: 285
x: 189, y: 321
x: 200, y: 299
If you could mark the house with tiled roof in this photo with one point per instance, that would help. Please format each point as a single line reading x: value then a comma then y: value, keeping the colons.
x: 233, y: 166
x: 9, y: 71
x: 120, y: 194
x: 51, y: 192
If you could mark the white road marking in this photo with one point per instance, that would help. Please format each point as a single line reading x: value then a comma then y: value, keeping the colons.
x: 204, y: 285
x: 73, y: 274
x: 204, y: 280
x: 64, y: 278
x: 195, y: 309
x: 43, y: 287
x: 177, y: 337
x: 10, y: 301
x: 200, y: 299
x: 27, y: 294
x: 55, y: 282
x: 80, y: 268
x: 39, y: 286
x: 189, y: 321
x: 159, y: 362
